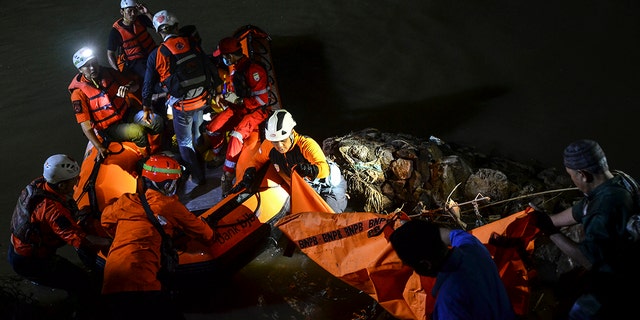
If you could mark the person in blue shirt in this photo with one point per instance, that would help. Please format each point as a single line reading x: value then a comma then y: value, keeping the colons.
x: 467, y: 285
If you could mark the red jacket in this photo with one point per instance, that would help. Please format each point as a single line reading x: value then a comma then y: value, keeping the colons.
x: 251, y: 83
x: 134, y: 257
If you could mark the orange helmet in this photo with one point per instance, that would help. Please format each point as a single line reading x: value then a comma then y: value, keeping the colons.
x: 227, y: 45
x: 160, y: 168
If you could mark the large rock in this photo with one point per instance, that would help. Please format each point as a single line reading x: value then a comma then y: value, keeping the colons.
x: 388, y: 171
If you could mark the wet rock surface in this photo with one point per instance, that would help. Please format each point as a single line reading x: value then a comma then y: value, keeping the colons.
x: 387, y: 171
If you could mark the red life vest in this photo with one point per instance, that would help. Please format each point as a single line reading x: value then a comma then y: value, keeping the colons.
x: 104, y: 109
x: 136, y: 45
x: 250, y: 81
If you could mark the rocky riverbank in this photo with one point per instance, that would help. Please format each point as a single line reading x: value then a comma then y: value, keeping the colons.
x: 389, y: 171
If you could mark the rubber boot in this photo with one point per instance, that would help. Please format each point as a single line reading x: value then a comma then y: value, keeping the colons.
x: 193, y: 164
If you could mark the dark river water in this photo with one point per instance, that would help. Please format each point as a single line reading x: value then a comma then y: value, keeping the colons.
x: 515, y: 78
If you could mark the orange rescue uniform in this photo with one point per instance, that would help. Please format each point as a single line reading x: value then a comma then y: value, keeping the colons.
x: 133, y: 261
x: 100, y: 105
x: 57, y: 228
x: 303, y: 150
x: 250, y: 82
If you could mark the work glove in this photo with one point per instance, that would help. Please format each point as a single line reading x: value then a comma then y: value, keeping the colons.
x: 249, y: 176
x: 307, y: 170
x: 247, y: 180
x: 544, y: 223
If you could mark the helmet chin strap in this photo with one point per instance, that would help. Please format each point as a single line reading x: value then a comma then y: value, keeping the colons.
x: 168, y: 188
x: 291, y: 139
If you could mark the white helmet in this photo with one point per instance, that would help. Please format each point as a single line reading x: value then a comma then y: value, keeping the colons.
x: 60, y: 167
x: 163, y: 17
x: 279, y: 125
x: 128, y: 3
x: 82, y: 56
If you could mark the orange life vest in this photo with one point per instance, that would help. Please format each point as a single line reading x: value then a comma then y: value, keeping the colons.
x: 136, y: 45
x: 104, y: 110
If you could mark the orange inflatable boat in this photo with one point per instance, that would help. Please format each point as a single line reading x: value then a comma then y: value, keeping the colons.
x: 242, y: 221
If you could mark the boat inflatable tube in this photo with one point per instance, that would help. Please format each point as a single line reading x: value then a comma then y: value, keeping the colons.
x: 242, y: 222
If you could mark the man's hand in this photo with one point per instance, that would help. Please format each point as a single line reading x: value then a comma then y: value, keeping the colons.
x: 102, y: 152
x: 233, y: 106
x: 307, y: 170
x: 231, y: 97
x: 544, y: 223
x: 249, y: 175
x: 147, y: 114
x: 142, y: 9
x: 247, y: 180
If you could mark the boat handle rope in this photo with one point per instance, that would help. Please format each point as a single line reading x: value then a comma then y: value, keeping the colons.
x: 89, y: 185
x: 214, y: 225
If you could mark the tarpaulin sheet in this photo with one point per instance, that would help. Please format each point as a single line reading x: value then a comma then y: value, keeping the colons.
x: 343, y: 244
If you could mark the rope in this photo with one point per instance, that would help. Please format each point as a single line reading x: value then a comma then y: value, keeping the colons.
x: 475, y: 201
x: 528, y: 196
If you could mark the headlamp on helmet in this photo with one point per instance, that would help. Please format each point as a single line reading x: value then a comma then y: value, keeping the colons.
x: 82, y: 56
x: 128, y: 4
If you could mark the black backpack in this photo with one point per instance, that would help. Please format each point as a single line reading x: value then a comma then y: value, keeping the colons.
x: 21, y: 225
x: 633, y: 225
x: 191, y: 70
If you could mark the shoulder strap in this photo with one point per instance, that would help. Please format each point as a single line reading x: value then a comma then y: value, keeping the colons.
x: 633, y: 224
x: 41, y: 192
x: 631, y: 185
x: 162, y: 48
x: 32, y: 195
x: 150, y: 214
